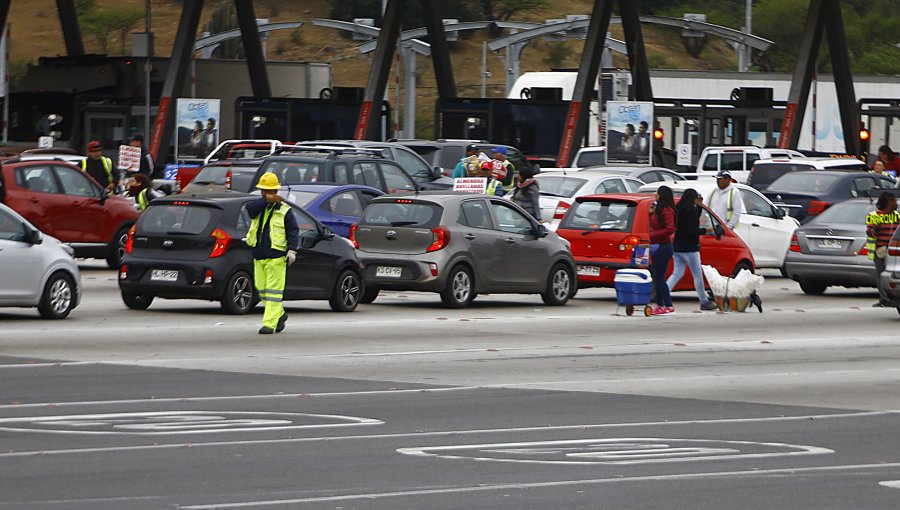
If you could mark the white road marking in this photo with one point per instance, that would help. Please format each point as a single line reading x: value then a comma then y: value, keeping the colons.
x: 561, y: 483
x: 452, y: 433
x: 178, y: 422
x: 50, y: 365
x: 892, y: 484
x: 605, y: 451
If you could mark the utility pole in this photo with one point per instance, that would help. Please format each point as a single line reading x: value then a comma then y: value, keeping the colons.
x: 748, y: 29
x: 147, y: 66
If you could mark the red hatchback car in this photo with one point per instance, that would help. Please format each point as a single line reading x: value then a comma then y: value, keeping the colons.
x: 63, y: 202
x: 604, y: 229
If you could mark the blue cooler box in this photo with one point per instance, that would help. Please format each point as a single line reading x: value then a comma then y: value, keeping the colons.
x: 633, y: 286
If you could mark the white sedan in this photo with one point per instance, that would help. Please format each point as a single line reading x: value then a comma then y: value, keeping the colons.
x: 764, y: 227
x: 559, y: 190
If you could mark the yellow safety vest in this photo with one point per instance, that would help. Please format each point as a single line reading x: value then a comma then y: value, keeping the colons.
x: 107, y: 165
x: 142, y: 199
x: 729, y: 212
x: 875, y: 219
x: 492, y: 186
x: 277, y: 235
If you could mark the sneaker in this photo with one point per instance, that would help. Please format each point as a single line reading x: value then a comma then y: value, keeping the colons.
x: 709, y: 305
x: 280, y: 327
x: 266, y: 331
x: 660, y: 310
x: 670, y: 309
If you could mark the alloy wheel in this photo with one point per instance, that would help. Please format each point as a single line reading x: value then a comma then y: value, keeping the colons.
x: 60, y: 295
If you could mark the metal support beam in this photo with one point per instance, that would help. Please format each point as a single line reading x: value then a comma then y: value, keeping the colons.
x: 4, y: 12
x: 256, y: 61
x: 370, y: 111
x: 408, y: 58
x: 576, y: 121
x: 843, y: 76
x: 802, y: 80
x: 178, y: 67
x: 68, y: 18
x: 440, y: 51
x: 637, y: 55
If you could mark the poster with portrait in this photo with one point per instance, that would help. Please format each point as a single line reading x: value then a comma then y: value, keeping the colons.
x: 197, y: 128
x: 629, y: 133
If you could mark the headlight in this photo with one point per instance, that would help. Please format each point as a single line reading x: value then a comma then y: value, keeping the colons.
x: 68, y: 249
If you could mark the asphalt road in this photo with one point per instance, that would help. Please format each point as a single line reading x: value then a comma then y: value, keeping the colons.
x: 406, y: 405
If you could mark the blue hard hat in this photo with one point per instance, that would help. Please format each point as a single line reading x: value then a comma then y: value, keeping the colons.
x: 500, y: 150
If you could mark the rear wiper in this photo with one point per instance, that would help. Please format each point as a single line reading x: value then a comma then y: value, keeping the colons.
x: 178, y: 233
x: 547, y: 193
x: 402, y: 223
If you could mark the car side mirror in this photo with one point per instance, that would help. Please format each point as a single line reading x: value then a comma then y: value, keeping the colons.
x: 104, y: 195
x: 327, y: 234
x: 438, y: 172
x: 719, y: 230
x: 542, y: 231
x: 780, y: 213
x: 308, y: 242
x: 34, y: 236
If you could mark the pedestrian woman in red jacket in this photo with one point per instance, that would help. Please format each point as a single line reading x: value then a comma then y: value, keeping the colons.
x: 662, y: 229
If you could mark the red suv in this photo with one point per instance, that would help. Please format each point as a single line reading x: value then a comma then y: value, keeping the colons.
x: 604, y: 229
x: 62, y: 201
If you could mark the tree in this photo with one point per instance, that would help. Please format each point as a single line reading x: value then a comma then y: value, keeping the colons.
x: 103, y: 25
x: 506, y: 9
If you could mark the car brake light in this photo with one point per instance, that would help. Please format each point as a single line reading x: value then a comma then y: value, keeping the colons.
x: 129, y: 241
x: 403, y: 201
x: 795, y: 244
x: 228, y: 181
x: 123, y: 272
x: 440, y: 239
x: 221, y: 244
x: 863, y: 251
x: 893, y: 248
x: 629, y: 243
x: 561, y: 209
x: 353, y: 235
x: 816, y: 207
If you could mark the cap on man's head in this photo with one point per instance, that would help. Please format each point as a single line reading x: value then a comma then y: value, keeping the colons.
x: 723, y: 174
x: 137, y: 137
x: 94, y: 146
x: 499, y: 150
x: 471, y: 147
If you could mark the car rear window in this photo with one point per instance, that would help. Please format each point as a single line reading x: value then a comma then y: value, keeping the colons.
x: 402, y: 214
x: 172, y: 219
x: 804, y: 182
x: 213, y: 174
x: 600, y: 215
x: 845, y: 212
x: 295, y: 172
x: 592, y: 158
x: 450, y: 155
x: 560, y: 186
x: 766, y: 173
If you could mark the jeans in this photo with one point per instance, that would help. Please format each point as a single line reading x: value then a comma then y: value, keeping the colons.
x: 658, y: 267
x: 691, y: 259
x: 879, y: 268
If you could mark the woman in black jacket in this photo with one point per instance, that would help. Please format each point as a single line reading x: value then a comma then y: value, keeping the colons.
x: 687, y: 245
x: 528, y: 194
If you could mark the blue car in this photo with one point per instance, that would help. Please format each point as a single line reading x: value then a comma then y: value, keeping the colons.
x: 335, y: 205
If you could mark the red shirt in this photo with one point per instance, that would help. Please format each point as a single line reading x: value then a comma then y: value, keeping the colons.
x: 662, y: 231
x: 893, y: 163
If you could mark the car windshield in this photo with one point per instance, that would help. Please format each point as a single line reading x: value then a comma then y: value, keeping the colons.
x: 605, y: 216
x: 401, y: 214
x: 845, y: 212
x: 213, y: 174
x: 804, y: 182
x: 171, y: 219
x: 559, y: 186
x: 766, y: 173
x: 303, y: 198
x: 294, y: 172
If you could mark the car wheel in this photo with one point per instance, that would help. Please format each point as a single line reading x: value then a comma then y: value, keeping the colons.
x: 238, y: 297
x: 813, y: 288
x: 741, y: 265
x: 559, y: 285
x: 136, y: 300
x: 58, y: 298
x: 117, y: 248
x: 370, y: 294
x: 459, y: 291
x: 347, y: 292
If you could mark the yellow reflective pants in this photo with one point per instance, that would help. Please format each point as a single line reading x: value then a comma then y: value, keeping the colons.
x: 268, y: 276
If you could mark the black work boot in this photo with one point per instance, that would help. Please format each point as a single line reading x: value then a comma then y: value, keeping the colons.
x: 280, y: 327
x: 266, y: 330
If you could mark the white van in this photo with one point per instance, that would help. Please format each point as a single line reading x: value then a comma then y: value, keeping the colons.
x: 738, y: 160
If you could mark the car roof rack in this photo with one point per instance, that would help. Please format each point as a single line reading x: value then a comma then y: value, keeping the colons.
x: 331, y: 150
x: 36, y: 158
x: 228, y: 144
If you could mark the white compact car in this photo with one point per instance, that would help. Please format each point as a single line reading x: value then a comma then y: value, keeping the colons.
x: 36, y: 270
x: 764, y: 227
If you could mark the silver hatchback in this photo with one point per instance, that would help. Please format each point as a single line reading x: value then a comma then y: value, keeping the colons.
x: 36, y: 270
x: 460, y: 245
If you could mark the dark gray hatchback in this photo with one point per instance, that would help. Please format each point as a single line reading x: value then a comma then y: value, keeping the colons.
x: 460, y: 245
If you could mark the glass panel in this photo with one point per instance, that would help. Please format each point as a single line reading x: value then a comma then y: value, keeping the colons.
x: 602, y: 216
x: 396, y: 179
x: 75, y: 183
x: 511, y: 220
x: 345, y: 204
x: 176, y: 219
x: 37, y: 178
x: 11, y: 229
x: 393, y: 214
x: 475, y: 214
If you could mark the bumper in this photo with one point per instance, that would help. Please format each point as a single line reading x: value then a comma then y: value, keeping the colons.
x: 191, y: 281
x: 415, y: 275
x: 890, y: 282
x: 847, y: 271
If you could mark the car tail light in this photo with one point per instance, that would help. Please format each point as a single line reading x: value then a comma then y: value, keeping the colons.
x: 629, y: 243
x: 893, y: 248
x: 795, y: 244
x: 129, y: 241
x: 123, y: 272
x: 863, y: 251
x: 816, y: 207
x: 561, y: 209
x: 353, y: 235
x: 440, y: 239
x: 208, y: 277
x: 221, y: 244
x: 228, y: 181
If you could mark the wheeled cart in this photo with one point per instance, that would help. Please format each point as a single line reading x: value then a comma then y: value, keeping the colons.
x: 633, y: 288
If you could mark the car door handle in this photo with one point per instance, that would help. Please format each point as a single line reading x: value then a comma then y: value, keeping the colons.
x: 754, y: 224
x: 470, y: 237
x: 510, y: 240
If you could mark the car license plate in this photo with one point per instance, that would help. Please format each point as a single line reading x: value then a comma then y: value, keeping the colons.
x: 588, y: 271
x: 388, y: 272
x: 163, y: 275
x: 830, y: 244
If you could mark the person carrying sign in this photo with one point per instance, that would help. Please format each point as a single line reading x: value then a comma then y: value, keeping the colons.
x: 469, y: 165
x: 494, y: 187
x: 146, y: 165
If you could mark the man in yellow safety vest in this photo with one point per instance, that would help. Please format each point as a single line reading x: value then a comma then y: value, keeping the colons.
x: 725, y: 200
x: 99, y: 166
x: 275, y: 238
x: 880, y: 226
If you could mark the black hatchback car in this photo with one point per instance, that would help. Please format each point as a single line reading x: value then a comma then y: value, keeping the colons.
x: 193, y: 247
